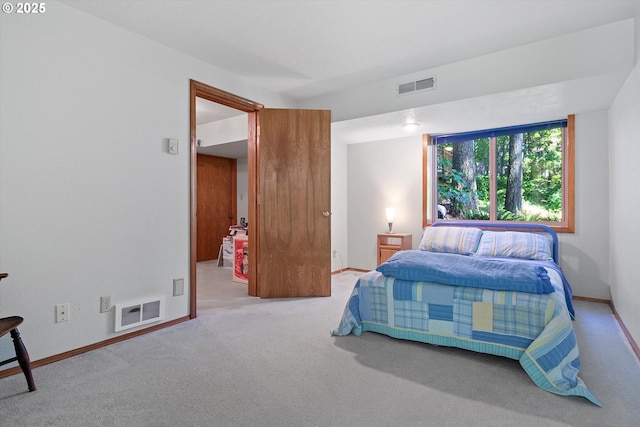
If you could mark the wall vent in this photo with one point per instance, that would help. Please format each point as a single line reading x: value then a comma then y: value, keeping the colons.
x: 417, y: 86
x: 132, y: 314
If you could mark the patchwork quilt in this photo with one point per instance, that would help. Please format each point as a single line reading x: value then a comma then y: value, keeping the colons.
x: 534, y: 328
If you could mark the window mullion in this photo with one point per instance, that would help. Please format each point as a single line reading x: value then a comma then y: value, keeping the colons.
x: 493, y: 185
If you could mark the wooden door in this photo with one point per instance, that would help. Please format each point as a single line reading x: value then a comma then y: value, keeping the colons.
x: 293, y: 178
x: 216, y: 203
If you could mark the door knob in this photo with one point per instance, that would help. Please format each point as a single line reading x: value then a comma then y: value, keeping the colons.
x: 326, y: 213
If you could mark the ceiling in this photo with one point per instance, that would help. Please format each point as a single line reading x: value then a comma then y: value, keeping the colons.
x: 303, y: 49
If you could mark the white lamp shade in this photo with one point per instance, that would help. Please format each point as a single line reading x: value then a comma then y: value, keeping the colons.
x: 391, y: 214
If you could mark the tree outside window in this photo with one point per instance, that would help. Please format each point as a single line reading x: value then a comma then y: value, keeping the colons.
x: 521, y: 173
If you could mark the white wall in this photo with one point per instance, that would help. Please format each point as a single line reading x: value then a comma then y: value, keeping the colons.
x: 624, y: 227
x: 243, y: 189
x: 91, y: 203
x: 222, y: 131
x: 382, y: 174
x: 339, y: 207
x: 584, y: 254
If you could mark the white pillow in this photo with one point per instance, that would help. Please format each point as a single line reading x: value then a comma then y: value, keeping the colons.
x: 515, y: 244
x: 452, y: 240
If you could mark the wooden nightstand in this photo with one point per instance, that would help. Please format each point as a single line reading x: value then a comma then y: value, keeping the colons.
x: 390, y: 243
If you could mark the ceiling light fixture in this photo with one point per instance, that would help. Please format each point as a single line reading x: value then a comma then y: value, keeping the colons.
x: 410, y: 126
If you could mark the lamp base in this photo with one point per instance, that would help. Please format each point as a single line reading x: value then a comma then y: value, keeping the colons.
x: 390, y: 225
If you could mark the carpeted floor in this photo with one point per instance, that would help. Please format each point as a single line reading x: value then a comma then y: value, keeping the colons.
x: 251, y: 362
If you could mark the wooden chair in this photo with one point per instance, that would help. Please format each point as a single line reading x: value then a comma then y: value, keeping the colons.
x: 10, y: 325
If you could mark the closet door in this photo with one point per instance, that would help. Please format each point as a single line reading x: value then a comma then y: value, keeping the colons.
x: 216, y: 203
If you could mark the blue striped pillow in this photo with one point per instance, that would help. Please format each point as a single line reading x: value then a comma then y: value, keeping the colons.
x: 452, y: 240
x: 514, y: 244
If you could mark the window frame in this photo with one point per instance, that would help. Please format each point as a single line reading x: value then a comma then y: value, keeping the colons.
x: 567, y: 225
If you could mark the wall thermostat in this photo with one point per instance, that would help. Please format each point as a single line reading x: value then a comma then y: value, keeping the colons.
x: 173, y: 146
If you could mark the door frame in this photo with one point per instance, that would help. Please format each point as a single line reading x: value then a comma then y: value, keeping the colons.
x: 201, y: 90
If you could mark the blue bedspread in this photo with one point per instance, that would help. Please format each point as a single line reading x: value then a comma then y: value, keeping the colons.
x: 535, y: 329
x: 500, y: 274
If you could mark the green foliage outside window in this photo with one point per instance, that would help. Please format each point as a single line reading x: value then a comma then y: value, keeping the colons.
x: 541, y: 179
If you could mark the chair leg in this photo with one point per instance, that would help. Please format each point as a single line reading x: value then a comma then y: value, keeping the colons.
x: 23, y: 358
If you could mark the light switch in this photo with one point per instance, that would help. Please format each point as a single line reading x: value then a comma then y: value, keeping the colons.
x: 173, y: 146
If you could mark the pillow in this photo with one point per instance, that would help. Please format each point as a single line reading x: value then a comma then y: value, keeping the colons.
x: 515, y: 244
x: 452, y: 240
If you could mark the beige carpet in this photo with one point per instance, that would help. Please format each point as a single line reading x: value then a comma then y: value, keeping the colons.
x: 252, y: 362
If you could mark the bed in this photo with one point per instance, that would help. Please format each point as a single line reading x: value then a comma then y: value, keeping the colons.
x: 481, y: 287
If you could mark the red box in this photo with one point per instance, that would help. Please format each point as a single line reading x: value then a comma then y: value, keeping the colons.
x: 241, y: 259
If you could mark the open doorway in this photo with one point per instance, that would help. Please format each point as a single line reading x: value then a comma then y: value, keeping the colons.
x: 211, y: 105
x: 222, y: 202
x: 222, y: 174
x: 289, y: 209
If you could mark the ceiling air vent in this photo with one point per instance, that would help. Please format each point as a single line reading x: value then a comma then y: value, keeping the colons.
x: 417, y: 86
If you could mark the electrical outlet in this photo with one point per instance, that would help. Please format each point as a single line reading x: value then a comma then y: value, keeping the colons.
x: 63, y: 312
x: 105, y: 304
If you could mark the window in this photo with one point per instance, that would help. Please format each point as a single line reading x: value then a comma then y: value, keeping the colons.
x: 520, y: 173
